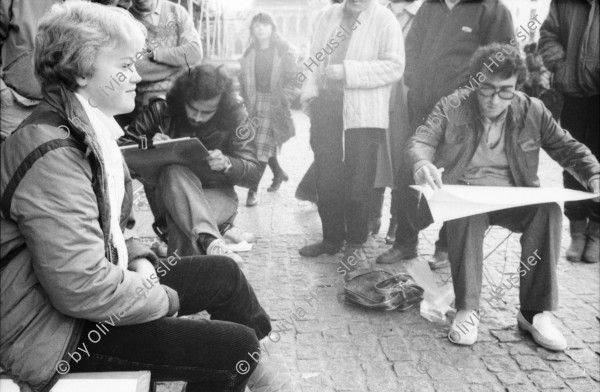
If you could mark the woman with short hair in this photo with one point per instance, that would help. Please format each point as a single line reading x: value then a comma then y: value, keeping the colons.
x: 77, y: 296
x: 269, y: 86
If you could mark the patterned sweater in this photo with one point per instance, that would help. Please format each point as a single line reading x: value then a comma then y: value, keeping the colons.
x: 374, y: 61
x: 176, y: 46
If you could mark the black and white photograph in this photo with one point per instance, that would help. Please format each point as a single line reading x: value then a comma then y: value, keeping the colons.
x: 299, y: 196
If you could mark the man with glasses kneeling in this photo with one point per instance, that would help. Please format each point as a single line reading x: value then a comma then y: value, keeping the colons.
x: 491, y: 135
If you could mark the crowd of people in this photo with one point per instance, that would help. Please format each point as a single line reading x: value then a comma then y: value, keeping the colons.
x: 398, y: 93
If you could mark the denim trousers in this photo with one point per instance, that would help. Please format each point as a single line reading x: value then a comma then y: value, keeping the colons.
x: 189, y: 208
x: 581, y: 118
x: 541, y: 225
x: 204, y: 353
x: 345, y: 166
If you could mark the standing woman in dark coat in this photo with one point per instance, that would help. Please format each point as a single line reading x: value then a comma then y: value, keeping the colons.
x: 269, y: 85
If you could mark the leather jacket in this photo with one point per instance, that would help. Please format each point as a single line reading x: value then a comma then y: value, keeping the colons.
x: 451, y: 135
x: 225, y: 132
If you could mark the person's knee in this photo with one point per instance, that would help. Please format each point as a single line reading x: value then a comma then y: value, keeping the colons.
x: 173, y: 174
x: 552, y: 210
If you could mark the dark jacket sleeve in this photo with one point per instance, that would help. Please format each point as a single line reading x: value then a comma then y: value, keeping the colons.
x: 241, y: 150
x: 422, y: 146
x: 146, y: 123
x: 498, y: 24
x: 414, y: 43
x: 550, y: 46
x: 572, y: 155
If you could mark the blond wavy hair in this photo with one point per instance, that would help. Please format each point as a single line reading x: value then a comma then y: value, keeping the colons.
x: 71, y: 35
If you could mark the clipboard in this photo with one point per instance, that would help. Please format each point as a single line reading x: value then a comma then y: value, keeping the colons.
x: 148, y: 163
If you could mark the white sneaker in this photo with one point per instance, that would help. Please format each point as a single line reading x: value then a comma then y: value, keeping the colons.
x: 465, y: 327
x: 543, y: 331
x: 218, y: 248
x: 270, y: 376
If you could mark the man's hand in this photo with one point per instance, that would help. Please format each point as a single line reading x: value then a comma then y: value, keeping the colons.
x: 159, y: 137
x: 335, y: 72
x: 595, y: 187
x: 142, y: 266
x: 429, y: 174
x: 217, y: 161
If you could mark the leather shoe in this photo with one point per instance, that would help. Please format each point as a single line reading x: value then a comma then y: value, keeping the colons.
x: 591, y: 253
x: 318, y: 248
x: 439, y: 260
x: 252, y: 199
x: 396, y: 255
x: 543, y: 331
x: 277, y: 180
x: 465, y: 327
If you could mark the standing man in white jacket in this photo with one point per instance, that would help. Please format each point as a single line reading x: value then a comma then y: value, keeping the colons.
x: 357, y: 53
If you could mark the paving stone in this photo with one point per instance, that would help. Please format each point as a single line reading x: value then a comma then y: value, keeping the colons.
x: 307, y: 326
x: 454, y: 386
x: 486, y: 388
x: 568, y: 370
x: 500, y: 364
x: 530, y: 362
x: 507, y: 335
x: 395, y: 349
x: 344, y: 380
x: 546, y: 380
x: 380, y: 378
x: 524, y: 348
x: 583, y: 356
x: 477, y: 376
x: 443, y: 372
x: 513, y: 378
x: 415, y: 385
x: 315, y: 380
x: 592, y: 369
x: 309, y: 352
x: 583, y: 384
x: 316, y: 389
x: 522, y: 388
x: 552, y: 356
x: 336, y: 334
x: 589, y: 335
x: 409, y: 369
x: 488, y: 349
x: 310, y: 339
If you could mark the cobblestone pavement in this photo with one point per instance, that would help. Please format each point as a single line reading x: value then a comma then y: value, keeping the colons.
x: 326, y: 345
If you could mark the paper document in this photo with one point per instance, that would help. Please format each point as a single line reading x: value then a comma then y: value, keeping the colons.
x: 458, y: 201
x: 149, y: 162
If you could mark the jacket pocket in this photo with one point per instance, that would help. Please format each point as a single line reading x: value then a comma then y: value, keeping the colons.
x: 530, y: 150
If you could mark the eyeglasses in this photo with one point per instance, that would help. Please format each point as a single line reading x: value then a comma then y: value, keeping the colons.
x: 503, y: 93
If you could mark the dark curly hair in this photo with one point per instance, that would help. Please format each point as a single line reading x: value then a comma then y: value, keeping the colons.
x: 204, y: 82
x: 508, y: 59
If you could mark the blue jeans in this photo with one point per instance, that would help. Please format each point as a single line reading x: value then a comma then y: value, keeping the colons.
x: 204, y: 353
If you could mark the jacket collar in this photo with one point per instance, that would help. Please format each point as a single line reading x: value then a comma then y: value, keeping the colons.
x: 64, y: 102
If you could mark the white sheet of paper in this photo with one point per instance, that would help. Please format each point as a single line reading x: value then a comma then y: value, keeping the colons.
x: 458, y: 201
